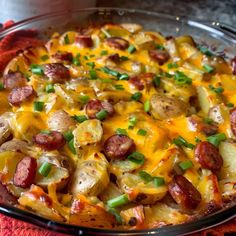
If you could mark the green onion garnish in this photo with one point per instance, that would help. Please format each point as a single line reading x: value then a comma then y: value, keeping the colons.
x: 185, y: 165
x: 207, y: 120
x: 131, y: 49
x: 106, y: 33
x: 110, y: 71
x: 147, y: 106
x: 180, y: 141
x: 142, y: 132
x: 137, y: 158
x: 123, y: 76
x: 118, y: 201
x: 230, y: 104
x: 72, y: 146
x: 115, y: 213
x: 38, y: 106
x: 157, y: 81
x: 1, y: 86
x: 136, y: 96
x: 160, y: 47
x: 219, y: 90
x: 76, y: 61
x: 66, y: 39
x: 145, y: 176
x: 197, y: 140
x: 132, y: 122
x: 158, y: 181
x: 86, y: 57
x: 103, y: 53
x: 216, y: 139
x: 93, y: 74
x: 101, y: 115
x: 180, y: 78
x: 83, y: 99
x: 68, y: 136
x: 45, y: 169
x: 119, y: 87
x: 172, y: 65
x: 91, y: 64
x: 124, y: 58
x: 120, y: 131
x: 205, y: 50
x: 208, y: 68
x: 80, y: 118
x: 36, y: 69
x: 44, y: 58
x: 50, y: 88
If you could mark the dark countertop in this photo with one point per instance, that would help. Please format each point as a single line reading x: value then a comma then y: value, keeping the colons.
x: 223, y: 11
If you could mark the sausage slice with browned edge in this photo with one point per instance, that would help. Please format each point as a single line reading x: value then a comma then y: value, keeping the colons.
x: 141, y: 80
x: 208, y: 156
x: 95, y: 105
x: 19, y: 95
x: 233, y: 64
x: 57, y: 72
x: 14, y: 80
x: 50, y: 141
x: 233, y: 120
x: 25, y: 172
x: 118, y: 146
x: 184, y: 193
x: 117, y: 42
x: 63, y: 56
x: 160, y: 56
x: 84, y: 41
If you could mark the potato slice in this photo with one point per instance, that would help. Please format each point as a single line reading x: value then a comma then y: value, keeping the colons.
x: 88, y: 132
x: 116, y: 30
x: 228, y: 190
x: 5, y: 130
x: 132, y: 27
x: 37, y: 200
x: 219, y: 114
x: 110, y: 192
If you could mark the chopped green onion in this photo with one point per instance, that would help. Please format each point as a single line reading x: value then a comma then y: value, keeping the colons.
x: 45, y: 131
x: 137, y: 158
x: 118, y: 201
x: 131, y: 49
x: 172, y: 65
x: 106, y: 33
x: 68, y: 136
x: 147, y: 106
x: 207, y: 120
x: 158, y: 181
x: 205, y: 50
x: 66, y: 39
x: 45, y: 169
x: 123, y: 76
x: 136, y: 96
x: 180, y: 141
x: 36, y: 69
x: 103, y: 53
x: 142, y: 132
x: 80, y: 118
x: 76, y: 61
x: 106, y: 80
x: 145, y: 176
x: 216, y: 139
x: 38, y: 106
x: 197, y: 140
x: 180, y: 78
x: 160, y: 47
x: 119, y: 87
x: 185, y: 165
x: 92, y: 55
x: 110, y: 71
x: 115, y: 213
x: 157, y: 81
x: 44, y: 58
x: 229, y: 104
x: 132, y: 122
x: 219, y: 90
x: 124, y: 58
x: 120, y: 131
x: 93, y: 74
x: 86, y: 57
x: 83, y: 99
x: 1, y: 86
x: 208, y: 68
x: 91, y: 64
x: 72, y: 146
x: 50, y: 88
x: 101, y: 115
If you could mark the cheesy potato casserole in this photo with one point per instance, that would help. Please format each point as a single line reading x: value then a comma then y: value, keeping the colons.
x: 116, y: 127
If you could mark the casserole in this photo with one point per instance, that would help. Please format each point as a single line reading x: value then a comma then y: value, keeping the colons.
x: 216, y: 36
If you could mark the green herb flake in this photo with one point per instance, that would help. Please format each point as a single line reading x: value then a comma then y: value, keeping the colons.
x: 1, y: 86
x: 80, y: 118
x: 91, y: 64
x: 137, y: 158
x: 68, y: 136
x: 120, y: 131
x: 185, y: 165
x: 147, y: 106
x: 205, y: 50
x: 83, y: 99
x: 103, y: 53
x: 230, y: 105
x: 181, y: 79
x: 208, y: 68
x: 38, y: 106
x: 93, y: 74
x: 142, y: 132
x: 216, y: 139
x: 207, y: 120
x: 44, y: 58
x: 180, y: 141
x: 160, y: 47
x: 36, y: 69
x: 157, y: 81
x: 66, y: 39
x: 49, y: 88
x: 136, y: 96
x: 158, y: 181
x: 145, y: 176
x: 131, y: 49
x: 172, y: 65
x: 119, y: 87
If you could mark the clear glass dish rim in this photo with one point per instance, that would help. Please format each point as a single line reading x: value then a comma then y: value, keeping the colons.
x: 182, y: 229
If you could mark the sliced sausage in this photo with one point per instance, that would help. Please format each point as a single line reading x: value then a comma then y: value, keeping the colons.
x: 25, y: 172
x: 63, y: 57
x: 95, y: 105
x: 117, y: 42
x: 184, y: 193
x: 6, y: 196
x: 114, y: 57
x: 208, y: 156
x: 60, y: 121
x: 142, y: 80
x: 84, y: 41
x: 233, y: 120
x: 14, y: 80
x: 118, y: 146
x: 57, y: 72
x: 21, y: 94
x: 233, y: 64
x: 52, y: 141
x: 160, y: 56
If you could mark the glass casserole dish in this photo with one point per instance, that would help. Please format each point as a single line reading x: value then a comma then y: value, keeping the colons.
x: 223, y: 39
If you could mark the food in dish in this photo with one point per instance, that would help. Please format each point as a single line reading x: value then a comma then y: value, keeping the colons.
x: 117, y: 127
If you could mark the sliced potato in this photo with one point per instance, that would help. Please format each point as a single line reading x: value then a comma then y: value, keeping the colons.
x: 88, y: 132
x: 123, y: 107
x: 227, y: 187
x: 123, y: 166
x: 5, y: 130
x: 91, y: 176
x: 132, y: 27
x: 219, y: 114
x: 138, y: 190
x: 115, y: 96
x: 115, y: 30
x: 111, y: 191
x: 171, y: 47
